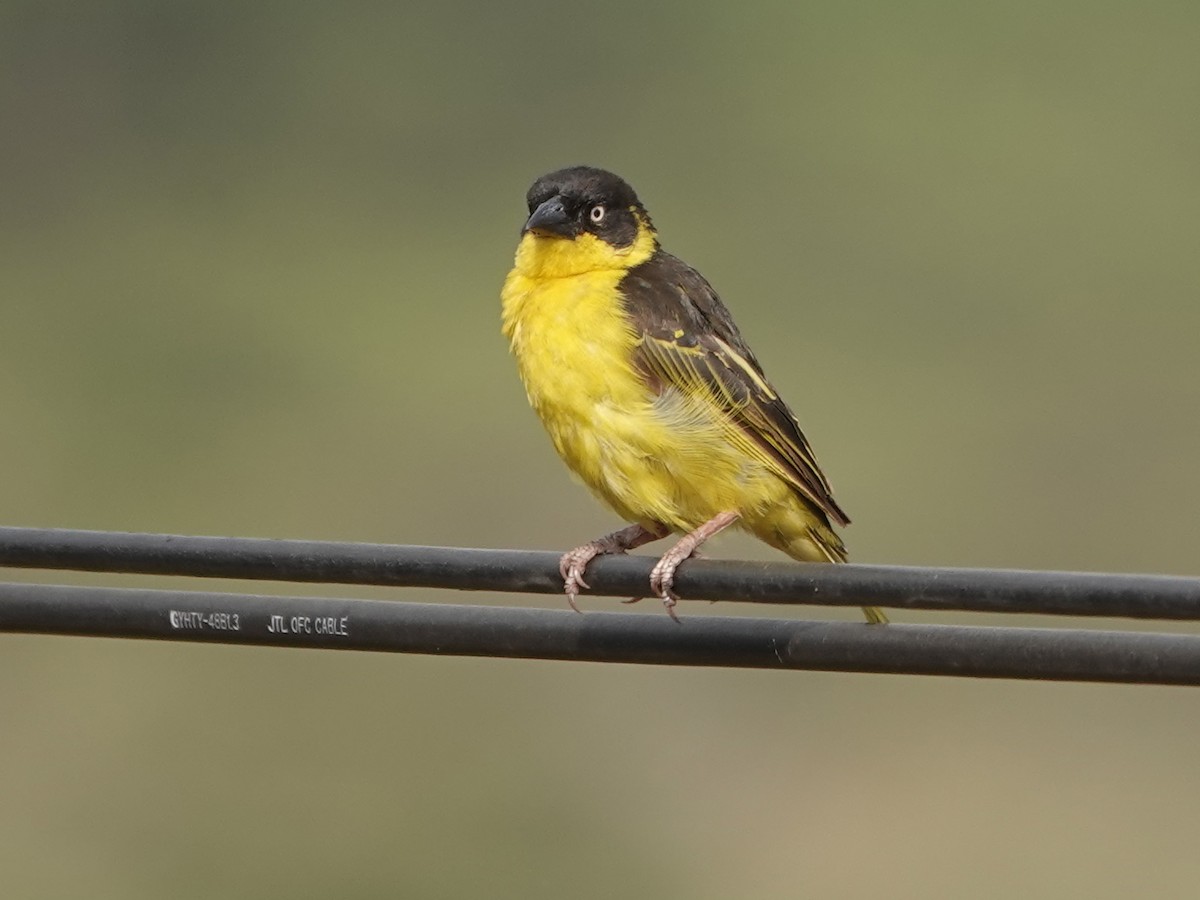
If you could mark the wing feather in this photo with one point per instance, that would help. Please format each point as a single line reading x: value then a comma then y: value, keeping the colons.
x: 688, y: 341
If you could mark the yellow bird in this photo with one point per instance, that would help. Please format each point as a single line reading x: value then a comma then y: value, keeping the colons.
x: 648, y: 390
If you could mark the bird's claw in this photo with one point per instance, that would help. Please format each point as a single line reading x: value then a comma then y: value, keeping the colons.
x: 669, y: 605
x: 571, y: 567
x: 571, y: 595
x: 572, y: 582
x: 662, y: 581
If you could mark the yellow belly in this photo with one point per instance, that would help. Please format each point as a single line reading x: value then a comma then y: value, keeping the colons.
x: 663, y: 458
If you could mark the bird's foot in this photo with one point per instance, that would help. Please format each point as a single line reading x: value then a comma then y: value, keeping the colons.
x: 572, y: 566
x: 662, y: 576
x: 574, y: 563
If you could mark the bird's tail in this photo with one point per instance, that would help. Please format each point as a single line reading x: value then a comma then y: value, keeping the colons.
x: 816, y: 541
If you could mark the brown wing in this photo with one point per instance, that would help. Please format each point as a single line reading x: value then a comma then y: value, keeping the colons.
x: 689, y: 340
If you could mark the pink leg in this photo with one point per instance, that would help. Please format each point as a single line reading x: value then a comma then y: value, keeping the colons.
x: 662, y: 576
x: 574, y: 562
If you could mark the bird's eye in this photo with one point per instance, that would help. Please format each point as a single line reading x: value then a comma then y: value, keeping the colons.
x: 596, y: 214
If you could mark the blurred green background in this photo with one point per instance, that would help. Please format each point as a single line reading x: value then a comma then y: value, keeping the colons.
x: 249, y: 264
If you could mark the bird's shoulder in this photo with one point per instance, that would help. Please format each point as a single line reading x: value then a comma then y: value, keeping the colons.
x: 670, y: 300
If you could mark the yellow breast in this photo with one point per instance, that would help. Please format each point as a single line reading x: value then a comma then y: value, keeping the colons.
x: 564, y: 318
x: 573, y: 347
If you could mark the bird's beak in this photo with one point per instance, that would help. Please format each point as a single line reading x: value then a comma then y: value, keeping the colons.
x: 551, y: 219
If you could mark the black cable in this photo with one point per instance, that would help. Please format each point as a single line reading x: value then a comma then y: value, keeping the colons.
x: 980, y: 590
x: 1055, y: 654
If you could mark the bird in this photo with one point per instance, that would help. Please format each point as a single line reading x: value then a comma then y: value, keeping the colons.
x: 648, y: 390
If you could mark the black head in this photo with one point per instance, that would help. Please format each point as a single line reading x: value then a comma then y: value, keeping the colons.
x: 583, y: 200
